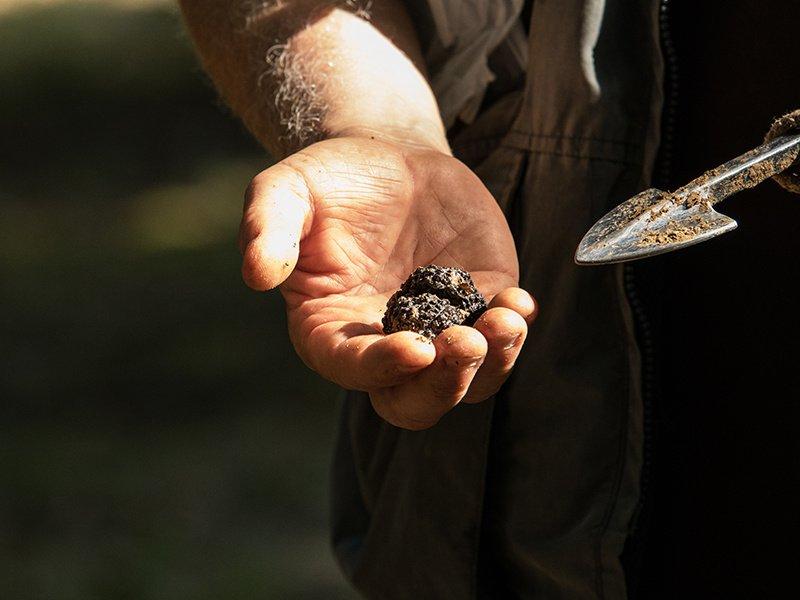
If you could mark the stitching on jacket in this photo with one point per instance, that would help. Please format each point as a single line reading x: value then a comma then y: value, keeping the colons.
x: 619, y: 473
x: 615, y: 161
x: 616, y: 153
x: 558, y: 136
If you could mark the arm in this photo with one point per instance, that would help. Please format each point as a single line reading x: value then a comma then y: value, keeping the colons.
x: 296, y: 71
x: 366, y: 191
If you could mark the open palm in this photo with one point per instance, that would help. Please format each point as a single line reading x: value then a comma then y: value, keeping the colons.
x: 340, y: 225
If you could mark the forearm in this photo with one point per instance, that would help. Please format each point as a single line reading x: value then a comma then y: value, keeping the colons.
x: 299, y: 70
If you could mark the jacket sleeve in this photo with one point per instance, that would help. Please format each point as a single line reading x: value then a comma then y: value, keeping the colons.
x: 457, y: 38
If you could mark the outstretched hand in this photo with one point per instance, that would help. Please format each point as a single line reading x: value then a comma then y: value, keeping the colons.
x: 340, y: 225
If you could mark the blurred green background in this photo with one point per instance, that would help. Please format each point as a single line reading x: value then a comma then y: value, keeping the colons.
x: 160, y: 440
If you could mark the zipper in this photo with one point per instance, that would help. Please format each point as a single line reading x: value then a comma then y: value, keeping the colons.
x: 669, y: 115
x: 642, y: 322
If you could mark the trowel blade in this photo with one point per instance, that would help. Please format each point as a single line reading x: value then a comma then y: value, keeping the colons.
x: 650, y: 223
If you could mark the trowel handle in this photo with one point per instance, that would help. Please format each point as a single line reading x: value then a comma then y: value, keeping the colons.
x: 746, y: 171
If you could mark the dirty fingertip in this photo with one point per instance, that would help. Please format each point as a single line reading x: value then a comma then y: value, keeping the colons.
x: 460, y: 345
x: 502, y: 326
x: 409, y: 349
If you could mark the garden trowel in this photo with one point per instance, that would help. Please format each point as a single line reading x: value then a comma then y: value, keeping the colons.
x: 654, y: 221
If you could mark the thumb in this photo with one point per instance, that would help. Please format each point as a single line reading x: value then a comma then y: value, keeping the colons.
x: 277, y: 213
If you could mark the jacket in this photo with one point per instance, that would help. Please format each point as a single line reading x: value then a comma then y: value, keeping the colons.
x: 547, y: 490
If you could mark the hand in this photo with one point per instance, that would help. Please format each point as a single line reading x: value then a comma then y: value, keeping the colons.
x: 340, y: 225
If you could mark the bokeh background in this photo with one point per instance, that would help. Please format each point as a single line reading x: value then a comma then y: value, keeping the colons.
x: 159, y: 439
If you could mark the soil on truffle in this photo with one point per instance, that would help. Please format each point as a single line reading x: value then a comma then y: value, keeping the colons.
x: 432, y: 299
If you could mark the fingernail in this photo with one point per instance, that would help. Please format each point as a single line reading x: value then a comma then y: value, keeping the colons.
x: 463, y: 362
x: 512, y: 342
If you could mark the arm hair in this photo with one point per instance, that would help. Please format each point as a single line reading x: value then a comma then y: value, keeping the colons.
x: 296, y: 71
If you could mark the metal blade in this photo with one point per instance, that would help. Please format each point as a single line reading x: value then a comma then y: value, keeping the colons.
x: 650, y: 223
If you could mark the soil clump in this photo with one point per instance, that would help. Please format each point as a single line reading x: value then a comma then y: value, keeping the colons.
x: 432, y: 299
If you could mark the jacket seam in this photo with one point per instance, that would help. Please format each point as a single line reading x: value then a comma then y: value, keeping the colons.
x: 624, y: 406
x: 587, y: 157
x: 509, y: 144
x: 577, y: 138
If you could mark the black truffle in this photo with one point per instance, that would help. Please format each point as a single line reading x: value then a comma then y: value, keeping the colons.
x: 431, y: 300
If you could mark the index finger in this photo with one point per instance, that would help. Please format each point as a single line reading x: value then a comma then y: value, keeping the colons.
x: 352, y: 357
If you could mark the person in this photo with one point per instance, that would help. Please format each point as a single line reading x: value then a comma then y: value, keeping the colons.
x: 606, y: 464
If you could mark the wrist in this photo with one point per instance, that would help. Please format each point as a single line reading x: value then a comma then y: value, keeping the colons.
x: 367, y: 86
x: 421, y: 136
